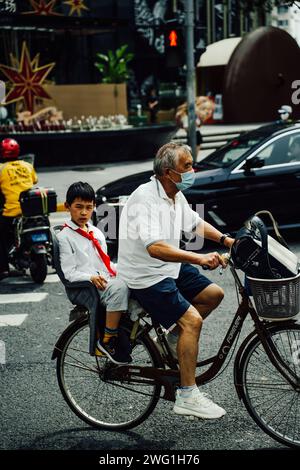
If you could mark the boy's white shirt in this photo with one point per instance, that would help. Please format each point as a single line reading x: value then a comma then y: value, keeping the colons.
x: 79, y: 257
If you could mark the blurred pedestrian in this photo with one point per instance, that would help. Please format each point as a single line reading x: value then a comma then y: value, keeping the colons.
x: 204, y: 108
x: 153, y: 104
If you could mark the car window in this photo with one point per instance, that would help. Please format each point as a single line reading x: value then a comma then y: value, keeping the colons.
x: 230, y: 153
x: 234, y: 150
x: 294, y: 148
x: 279, y: 152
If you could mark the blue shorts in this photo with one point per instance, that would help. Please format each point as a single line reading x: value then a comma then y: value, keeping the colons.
x: 170, y: 298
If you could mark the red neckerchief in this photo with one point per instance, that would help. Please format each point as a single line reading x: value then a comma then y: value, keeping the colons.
x: 105, y: 258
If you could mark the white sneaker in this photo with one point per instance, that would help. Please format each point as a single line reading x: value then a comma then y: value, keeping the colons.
x: 172, y: 342
x: 197, y: 404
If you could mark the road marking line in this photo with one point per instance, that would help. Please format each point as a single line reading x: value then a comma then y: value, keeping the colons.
x: 22, y: 298
x: 51, y: 278
x: 17, y: 280
x: 12, y: 320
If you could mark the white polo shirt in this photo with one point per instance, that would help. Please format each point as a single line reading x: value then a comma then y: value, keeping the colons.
x: 150, y: 216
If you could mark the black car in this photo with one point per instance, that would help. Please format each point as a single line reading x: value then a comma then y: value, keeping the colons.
x: 258, y: 170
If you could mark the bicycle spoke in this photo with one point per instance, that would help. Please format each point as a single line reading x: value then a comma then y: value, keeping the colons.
x: 271, y: 400
x: 105, y: 399
x: 269, y: 386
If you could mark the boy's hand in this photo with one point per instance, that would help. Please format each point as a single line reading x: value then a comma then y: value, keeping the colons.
x: 99, y: 281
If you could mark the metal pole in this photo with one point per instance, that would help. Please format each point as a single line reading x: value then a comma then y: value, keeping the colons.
x: 190, y: 74
x: 208, y: 22
x: 225, y: 19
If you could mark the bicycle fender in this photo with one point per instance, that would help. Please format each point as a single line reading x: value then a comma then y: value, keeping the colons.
x: 65, y: 335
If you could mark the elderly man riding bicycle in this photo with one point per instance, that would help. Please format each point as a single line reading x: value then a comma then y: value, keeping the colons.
x: 160, y: 274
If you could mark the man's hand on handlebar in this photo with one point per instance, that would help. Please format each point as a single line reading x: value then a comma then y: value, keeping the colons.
x: 211, y: 261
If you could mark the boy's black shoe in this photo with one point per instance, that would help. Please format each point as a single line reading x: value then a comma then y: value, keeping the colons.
x: 114, y: 351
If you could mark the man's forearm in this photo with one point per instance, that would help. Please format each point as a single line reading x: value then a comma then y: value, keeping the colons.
x: 166, y: 252
x: 206, y: 230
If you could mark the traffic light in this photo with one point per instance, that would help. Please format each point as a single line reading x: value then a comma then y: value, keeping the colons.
x: 173, y: 38
x: 174, y: 45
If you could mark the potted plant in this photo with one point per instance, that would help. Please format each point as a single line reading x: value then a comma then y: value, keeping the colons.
x: 114, y: 71
x: 114, y: 66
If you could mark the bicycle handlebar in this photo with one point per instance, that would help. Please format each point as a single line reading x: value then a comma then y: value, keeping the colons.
x: 225, y: 258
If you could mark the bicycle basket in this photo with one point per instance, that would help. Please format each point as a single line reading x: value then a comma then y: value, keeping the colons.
x: 276, y: 299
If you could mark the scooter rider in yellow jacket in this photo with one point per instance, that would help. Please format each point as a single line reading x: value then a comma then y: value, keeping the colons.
x: 15, y: 176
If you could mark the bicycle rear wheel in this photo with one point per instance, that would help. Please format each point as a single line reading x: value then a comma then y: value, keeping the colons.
x: 271, y: 401
x: 93, y: 390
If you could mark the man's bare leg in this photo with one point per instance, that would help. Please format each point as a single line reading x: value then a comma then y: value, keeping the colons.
x: 208, y: 300
x: 189, y: 400
x: 205, y: 302
x: 187, y: 346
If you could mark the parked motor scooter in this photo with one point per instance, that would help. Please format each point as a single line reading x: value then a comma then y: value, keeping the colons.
x: 32, y: 247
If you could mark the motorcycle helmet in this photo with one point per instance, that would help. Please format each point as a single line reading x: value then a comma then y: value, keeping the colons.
x: 10, y: 149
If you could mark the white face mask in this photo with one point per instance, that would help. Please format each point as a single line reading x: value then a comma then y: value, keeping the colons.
x: 187, y: 179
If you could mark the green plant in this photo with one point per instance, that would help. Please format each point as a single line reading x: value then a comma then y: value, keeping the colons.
x: 113, y: 66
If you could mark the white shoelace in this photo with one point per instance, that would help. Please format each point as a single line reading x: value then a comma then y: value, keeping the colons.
x: 204, y: 399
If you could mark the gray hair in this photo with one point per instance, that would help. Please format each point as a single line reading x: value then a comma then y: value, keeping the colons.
x: 167, y: 156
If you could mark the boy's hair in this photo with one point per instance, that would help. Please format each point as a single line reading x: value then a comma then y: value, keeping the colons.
x: 81, y: 190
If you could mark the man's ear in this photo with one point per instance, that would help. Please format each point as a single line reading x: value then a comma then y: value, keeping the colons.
x: 67, y: 207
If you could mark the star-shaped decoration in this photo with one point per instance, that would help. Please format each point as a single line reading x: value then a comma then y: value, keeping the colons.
x: 76, y: 6
x: 27, y: 80
x: 43, y: 7
x: 16, y: 64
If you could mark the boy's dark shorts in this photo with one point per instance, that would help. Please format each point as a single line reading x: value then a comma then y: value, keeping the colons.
x: 170, y: 298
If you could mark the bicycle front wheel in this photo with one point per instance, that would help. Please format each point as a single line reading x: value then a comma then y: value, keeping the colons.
x: 270, y: 399
x: 96, y: 392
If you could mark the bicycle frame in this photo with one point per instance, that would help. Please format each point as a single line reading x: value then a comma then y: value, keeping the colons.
x: 171, y: 377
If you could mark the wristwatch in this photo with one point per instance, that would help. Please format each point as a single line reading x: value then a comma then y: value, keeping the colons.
x: 222, y: 239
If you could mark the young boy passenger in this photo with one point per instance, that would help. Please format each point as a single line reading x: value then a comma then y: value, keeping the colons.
x: 83, y: 257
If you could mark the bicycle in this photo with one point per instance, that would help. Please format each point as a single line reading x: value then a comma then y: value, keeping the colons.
x: 266, y: 372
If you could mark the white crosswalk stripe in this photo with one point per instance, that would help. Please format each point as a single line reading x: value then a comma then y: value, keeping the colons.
x: 21, y: 298
x: 51, y: 278
x: 12, y: 320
